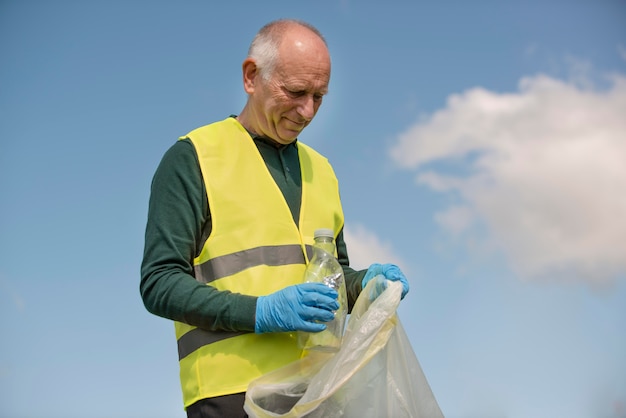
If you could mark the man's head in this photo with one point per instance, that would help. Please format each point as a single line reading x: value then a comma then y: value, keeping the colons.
x: 286, y: 74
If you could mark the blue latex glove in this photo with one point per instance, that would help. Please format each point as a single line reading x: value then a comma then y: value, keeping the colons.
x: 296, y: 308
x: 382, y: 273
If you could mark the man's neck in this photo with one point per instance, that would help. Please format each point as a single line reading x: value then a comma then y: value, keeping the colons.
x: 242, y: 120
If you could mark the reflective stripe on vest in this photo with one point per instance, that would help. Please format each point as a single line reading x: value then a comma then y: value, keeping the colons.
x: 229, y: 264
x: 254, y: 248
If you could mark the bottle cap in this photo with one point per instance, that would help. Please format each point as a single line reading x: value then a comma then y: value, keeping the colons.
x: 324, y: 232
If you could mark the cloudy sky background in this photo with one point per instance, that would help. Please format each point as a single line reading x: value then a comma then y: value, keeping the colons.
x: 482, y: 147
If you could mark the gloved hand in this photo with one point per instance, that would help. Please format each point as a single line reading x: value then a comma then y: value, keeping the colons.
x: 382, y: 273
x: 296, y: 308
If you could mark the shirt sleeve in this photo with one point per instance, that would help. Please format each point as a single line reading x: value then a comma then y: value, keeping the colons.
x: 353, y: 277
x: 177, y: 214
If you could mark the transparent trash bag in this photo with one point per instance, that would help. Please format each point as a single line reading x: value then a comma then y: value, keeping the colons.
x: 374, y: 374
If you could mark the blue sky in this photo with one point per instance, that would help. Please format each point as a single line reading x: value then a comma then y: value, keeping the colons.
x: 480, y: 145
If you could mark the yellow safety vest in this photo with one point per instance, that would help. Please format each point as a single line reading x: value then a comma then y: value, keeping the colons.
x: 254, y: 248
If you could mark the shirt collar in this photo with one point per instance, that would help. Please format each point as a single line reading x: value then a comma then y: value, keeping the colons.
x: 267, y: 140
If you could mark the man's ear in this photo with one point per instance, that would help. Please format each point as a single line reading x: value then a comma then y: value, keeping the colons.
x: 250, y: 72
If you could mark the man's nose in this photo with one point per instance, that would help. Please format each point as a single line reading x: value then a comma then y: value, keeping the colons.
x: 307, y: 107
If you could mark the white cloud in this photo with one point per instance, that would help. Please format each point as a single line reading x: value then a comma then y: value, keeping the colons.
x: 546, y: 173
x: 365, y: 248
x: 456, y: 219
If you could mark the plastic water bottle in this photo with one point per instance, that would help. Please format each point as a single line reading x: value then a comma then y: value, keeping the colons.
x: 324, y: 268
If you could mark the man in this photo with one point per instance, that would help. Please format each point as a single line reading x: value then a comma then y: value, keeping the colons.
x: 233, y: 209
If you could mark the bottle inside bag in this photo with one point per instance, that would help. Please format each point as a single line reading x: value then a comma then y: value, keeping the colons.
x: 324, y: 268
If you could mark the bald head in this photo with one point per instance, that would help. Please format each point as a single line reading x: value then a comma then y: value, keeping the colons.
x: 292, y: 35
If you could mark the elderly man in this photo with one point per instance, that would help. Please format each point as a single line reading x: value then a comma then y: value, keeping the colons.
x: 233, y: 207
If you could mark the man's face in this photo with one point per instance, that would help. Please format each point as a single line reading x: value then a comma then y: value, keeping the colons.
x: 286, y: 103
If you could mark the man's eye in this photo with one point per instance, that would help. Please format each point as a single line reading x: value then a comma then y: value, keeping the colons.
x: 296, y: 93
x: 301, y: 93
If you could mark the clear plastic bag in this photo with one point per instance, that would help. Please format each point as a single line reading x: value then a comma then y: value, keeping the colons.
x: 374, y: 374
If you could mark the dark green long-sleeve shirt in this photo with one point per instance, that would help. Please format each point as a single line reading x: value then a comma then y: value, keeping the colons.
x: 179, y: 222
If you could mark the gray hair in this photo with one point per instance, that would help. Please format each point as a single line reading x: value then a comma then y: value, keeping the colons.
x: 264, y: 46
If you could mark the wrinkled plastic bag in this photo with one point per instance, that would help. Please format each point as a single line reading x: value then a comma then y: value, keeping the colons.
x: 374, y: 374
